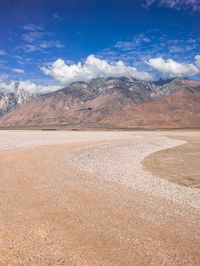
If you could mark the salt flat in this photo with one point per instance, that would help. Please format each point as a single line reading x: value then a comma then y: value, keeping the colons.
x: 84, y: 198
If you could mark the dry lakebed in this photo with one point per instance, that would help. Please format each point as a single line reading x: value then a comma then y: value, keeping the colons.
x: 99, y: 198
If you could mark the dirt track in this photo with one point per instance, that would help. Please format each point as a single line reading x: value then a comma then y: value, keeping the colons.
x: 55, y: 212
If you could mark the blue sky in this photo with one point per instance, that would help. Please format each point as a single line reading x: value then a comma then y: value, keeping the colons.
x: 160, y: 37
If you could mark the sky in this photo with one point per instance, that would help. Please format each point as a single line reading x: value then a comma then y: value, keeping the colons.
x: 48, y: 44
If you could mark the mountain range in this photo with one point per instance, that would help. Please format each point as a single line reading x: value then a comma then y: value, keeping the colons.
x: 107, y: 103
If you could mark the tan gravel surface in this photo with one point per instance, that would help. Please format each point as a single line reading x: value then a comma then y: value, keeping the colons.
x: 88, y: 201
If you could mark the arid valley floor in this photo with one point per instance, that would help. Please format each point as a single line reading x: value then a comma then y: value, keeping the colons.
x: 99, y: 198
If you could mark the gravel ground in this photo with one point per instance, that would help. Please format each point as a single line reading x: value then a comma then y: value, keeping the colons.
x: 121, y: 163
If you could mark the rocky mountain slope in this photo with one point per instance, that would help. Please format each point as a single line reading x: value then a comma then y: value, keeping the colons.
x: 112, y: 102
x: 11, y: 100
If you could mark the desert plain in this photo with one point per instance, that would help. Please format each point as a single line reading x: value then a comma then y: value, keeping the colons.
x: 99, y: 198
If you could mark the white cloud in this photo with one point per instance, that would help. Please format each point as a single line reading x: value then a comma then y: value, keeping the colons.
x: 50, y: 44
x: 2, y: 52
x: 29, y: 48
x: 136, y: 42
x: 18, y: 70
x: 58, y: 17
x: 170, y: 68
x: 33, y: 36
x: 27, y: 85
x: 40, y: 46
x: 32, y: 27
x: 36, y: 39
x: 92, y: 68
x: 176, y: 4
x: 197, y: 61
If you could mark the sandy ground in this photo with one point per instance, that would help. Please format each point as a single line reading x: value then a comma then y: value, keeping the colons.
x: 86, y: 200
x: 180, y: 164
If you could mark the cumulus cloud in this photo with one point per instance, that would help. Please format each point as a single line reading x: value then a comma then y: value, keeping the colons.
x: 18, y: 70
x: 170, y: 68
x: 92, y: 68
x: 194, y: 5
x: 26, y: 85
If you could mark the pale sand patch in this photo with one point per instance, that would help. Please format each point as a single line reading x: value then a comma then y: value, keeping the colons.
x: 52, y: 213
x: 17, y: 139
